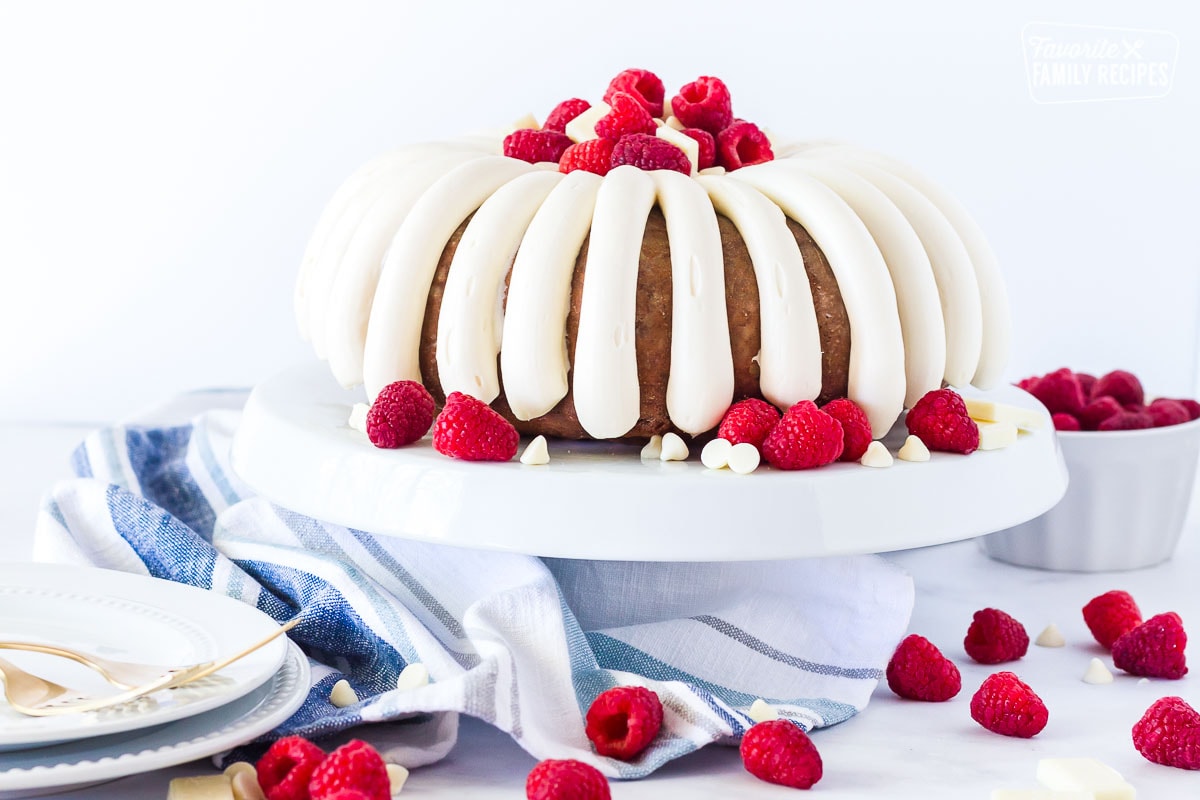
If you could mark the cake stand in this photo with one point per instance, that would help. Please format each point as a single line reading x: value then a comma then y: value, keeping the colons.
x: 599, y: 500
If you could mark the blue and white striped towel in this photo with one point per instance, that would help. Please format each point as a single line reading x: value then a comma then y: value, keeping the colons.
x: 523, y: 643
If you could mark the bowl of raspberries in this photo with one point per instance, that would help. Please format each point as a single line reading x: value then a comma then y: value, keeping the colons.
x: 1132, y: 464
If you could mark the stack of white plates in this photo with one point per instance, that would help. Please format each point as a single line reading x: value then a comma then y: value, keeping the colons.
x: 136, y: 618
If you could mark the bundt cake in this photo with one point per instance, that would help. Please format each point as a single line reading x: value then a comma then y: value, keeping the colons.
x: 639, y: 301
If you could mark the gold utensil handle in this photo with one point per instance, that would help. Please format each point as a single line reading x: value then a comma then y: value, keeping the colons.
x: 217, y: 666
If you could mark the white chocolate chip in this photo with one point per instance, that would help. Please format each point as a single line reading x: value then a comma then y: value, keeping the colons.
x: 238, y: 767
x: 413, y: 676
x: 715, y: 454
x: 1086, y: 775
x: 762, y: 711
x: 673, y: 122
x: 536, y: 453
x: 527, y: 121
x: 358, y: 417
x: 342, y: 694
x: 1051, y: 636
x: 653, y: 448
x: 743, y: 458
x: 673, y: 448
x: 996, y: 435
x: 397, y: 775
x: 913, y: 450
x: 583, y: 127
x: 876, y: 456
x: 247, y: 787
x: 713, y: 171
x: 689, y: 146
x: 200, y: 787
x: 989, y: 411
x: 1143, y: 681
x: 1097, y: 674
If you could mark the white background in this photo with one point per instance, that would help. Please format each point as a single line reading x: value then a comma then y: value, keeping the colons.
x: 162, y: 164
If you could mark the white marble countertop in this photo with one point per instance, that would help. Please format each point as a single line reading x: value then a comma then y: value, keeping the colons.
x: 896, y: 749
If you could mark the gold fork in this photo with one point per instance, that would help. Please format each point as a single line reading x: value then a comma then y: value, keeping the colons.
x: 23, y: 688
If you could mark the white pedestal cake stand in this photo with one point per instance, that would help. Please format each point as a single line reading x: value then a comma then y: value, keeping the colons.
x: 597, y: 500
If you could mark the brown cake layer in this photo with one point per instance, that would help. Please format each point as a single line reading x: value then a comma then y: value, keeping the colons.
x: 653, y: 332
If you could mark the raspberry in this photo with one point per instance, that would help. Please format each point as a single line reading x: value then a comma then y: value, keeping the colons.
x: 1027, y: 384
x: 1122, y: 386
x: 1095, y: 412
x: 1110, y: 615
x: 535, y: 146
x: 401, y: 414
x: 750, y: 421
x: 469, y: 429
x: 778, y: 751
x: 648, y: 152
x: 742, y: 144
x: 1191, y: 406
x: 1169, y: 734
x: 1153, y: 649
x: 567, y: 779
x: 707, y: 155
x: 995, y: 637
x: 643, y: 86
x: 856, y: 429
x: 592, y: 155
x: 1065, y: 422
x: 627, y: 116
x: 622, y: 722
x: 1167, y: 412
x: 284, y: 770
x: 1059, y: 391
x: 1127, y: 421
x: 563, y: 113
x: 804, y: 438
x: 348, y: 794
x: 940, y: 420
x: 1006, y: 705
x: 704, y: 103
x: 354, y: 765
x: 919, y: 671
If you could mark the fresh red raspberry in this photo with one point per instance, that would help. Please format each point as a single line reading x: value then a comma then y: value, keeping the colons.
x: 1111, y: 615
x: 401, y: 414
x: 1169, y: 734
x: 707, y: 155
x: 1127, y: 421
x: 919, y: 671
x: 1027, y: 384
x: 592, y: 155
x: 1153, y: 649
x: 1006, y: 705
x: 469, y: 429
x: 1065, y: 422
x: 778, y: 751
x: 995, y: 637
x: 285, y: 769
x: 1122, y: 386
x: 348, y: 794
x: 704, y: 103
x: 742, y: 144
x: 940, y: 420
x: 627, y: 116
x: 622, y: 721
x: 1166, y: 412
x: 643, y: 86
x: 1060, y: 391
x: 566, y: 779
x: 1095, y: 412
x: 804, y: 438
x: 1086, y: 382
x: 354, y: 765
x: 536, y: 146
x: 645, y: 151
x: 563, y: 113
x: 1191, y: 406
x: 748, y: 420
x: 856, y: 429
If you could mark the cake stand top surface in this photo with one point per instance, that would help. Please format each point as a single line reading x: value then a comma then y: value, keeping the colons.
x: 599, y: 500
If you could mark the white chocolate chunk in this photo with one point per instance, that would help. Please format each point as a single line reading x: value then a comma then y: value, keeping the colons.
x: 238, y: 767
x: 527, y: 121
x: 358, y: 417
x: 689, y: 146
x: 342, y: 694
x: 536, y: 453
x: 877, y: 455
x: 990, y: 411
x: 673, y: 122
x: 247, y: 787
x: 713, y: 171
x: 1050, y: 636
x: 413, y: 676
x: 715, y: 454
x: 652, y: 449
x: 201, y: 787
x: 744, y: 458
x: 583, y: 127
x: 673, y: 448
x: 397, y: 775
x: 995, y: 435
x: 1097, y: 674
x: 1039, y: 794
x: 1084, y: 774
x: 914, y: 450
x: 762, y: 711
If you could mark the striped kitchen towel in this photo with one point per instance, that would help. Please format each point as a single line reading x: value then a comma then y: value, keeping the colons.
x: 521, y: 642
